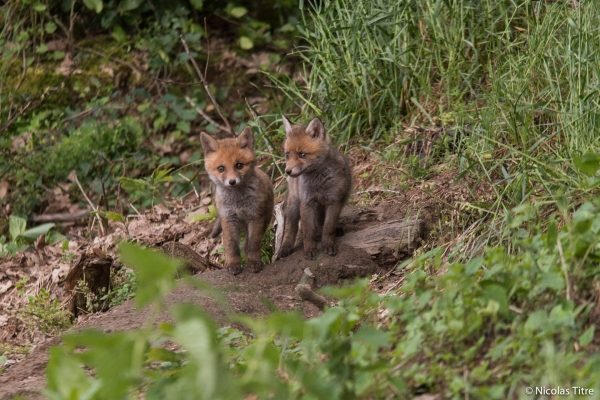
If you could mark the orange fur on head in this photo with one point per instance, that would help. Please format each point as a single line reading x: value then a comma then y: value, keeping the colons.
x: 228, y: 160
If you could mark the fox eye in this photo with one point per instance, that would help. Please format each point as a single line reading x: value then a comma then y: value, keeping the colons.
x: 287, y: 154
x: 221, y: 168
x: 239, y: 165
x: 302, y: 155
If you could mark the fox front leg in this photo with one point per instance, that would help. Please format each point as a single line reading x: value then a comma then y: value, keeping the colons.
x: 252, y: 244
x: 231, y: 239
x: 309, y: 223
x: 332, y: 213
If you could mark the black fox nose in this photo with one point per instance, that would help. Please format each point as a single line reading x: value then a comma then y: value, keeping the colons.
x: 288, y: 171
x: 232, y: 182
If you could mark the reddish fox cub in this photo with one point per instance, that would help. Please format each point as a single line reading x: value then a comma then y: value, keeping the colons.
x: 244, y: 197
x: 319, y: 183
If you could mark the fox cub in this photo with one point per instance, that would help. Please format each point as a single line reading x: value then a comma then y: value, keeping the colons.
x: 244, y: 197
x: 319, y: 183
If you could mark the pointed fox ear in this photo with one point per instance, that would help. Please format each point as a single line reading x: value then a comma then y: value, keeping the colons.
x: 209, y: 144
x: 316, y: 130
x: 246, y: 139
x: 287, y: 124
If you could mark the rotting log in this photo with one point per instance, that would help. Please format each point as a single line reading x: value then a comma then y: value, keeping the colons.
x: 387, y: 241
x: 194, y: 262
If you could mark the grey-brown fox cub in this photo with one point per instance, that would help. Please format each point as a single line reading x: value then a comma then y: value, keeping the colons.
x: 319, y: 184
x: 244, y: 197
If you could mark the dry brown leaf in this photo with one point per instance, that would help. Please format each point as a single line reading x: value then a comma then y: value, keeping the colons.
x: 3, y: 189
x: 5, y: 286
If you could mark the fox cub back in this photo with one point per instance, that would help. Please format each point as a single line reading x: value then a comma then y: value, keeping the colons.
x: 319, y: 184
x: 244, y: 197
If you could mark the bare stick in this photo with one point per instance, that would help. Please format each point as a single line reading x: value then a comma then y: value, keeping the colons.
x: 90, y: 203
x: 206, y: 116
x: 307, y: 294
x: 212, y: 98
x: 62, y: 217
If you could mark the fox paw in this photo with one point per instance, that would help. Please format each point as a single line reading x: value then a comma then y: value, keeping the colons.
x: 234, y: 269
x: 330, y: 249
x: 255, y: 267
x: 286, y: 251
x: 311, y: 253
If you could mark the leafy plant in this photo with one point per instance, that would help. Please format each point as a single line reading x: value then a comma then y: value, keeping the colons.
x: 44, y: 313
x: 123, y: 286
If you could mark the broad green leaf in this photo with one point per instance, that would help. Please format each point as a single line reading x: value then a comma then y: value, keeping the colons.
x: 55, y: 237
x: 49, y: 27
x: 16, y: 226
x: 154, y: 272
x: 238, y: 12
x: 196, y: 333
x: 34, y: 233
x: 133, y: 185
x: 198, y: 4
x: 474, y: 265
x: 587, y: 336
x: 39, y: 7
x: 119, y: 34
x: 66, y: 378
x: 95, y: 5
x: 536, y: 320
x: 42, y: 48
x: 498, y: 294
x: 128, y: 5
x: 372, y: 336
x: 589, y: 163
x: 246, y: 43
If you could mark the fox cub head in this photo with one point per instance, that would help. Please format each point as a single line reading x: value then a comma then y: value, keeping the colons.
x: 227, y: 161
x: 304, y: 146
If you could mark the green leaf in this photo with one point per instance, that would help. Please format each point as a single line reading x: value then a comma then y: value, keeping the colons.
x: 372, y: 336
x: 34, y: 233
x: 473, y: 265
x: 119, y: 34
x: 197, y: 4
x: 238, y: 12
x: 16, y: 226
x: 196, y: 333
x: 498, y: 294
x: 39, y: 7
x: 128, y: 5
x: 551, y: 235
x: 589, y: 163
x: 55, y: 237
x: 110, y: 215
x: 587, y: 336
x: 49, y: 27
x: 154, y: 272
x: 42, y: 48
x: 246, y: 43
x: 184, y: 126
x: 66, y: 378
x: 133, y: 185
x: 95, y: 5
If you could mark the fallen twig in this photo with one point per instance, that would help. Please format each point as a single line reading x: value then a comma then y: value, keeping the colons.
x: 90, y: 203
x: 206, y: 116
x: 62, y: 217
x: 205, y: 84
x: 306, y: 293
